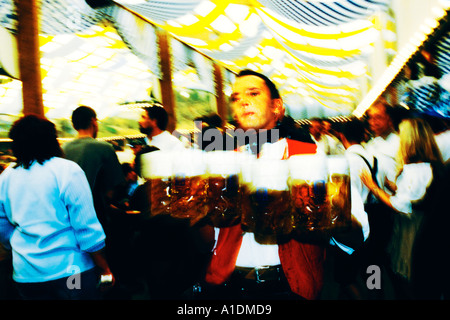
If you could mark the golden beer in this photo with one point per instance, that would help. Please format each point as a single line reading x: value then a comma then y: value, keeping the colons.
x: 160, y: 197
x: 157, y: 169
x: 224, y: 201
x: 223, y: 169
x: 270, y: 215
x: 189, y: 198
x: 339, y: 192
x: 189, y: 186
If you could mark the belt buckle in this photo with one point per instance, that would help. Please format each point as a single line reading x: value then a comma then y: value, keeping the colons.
x: 258, y: 278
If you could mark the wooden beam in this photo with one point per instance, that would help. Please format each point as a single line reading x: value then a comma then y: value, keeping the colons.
x: 168, y: 99
x: 29, y: 57
x: 220, y: 95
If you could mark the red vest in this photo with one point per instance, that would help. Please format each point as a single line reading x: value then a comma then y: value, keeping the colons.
x: 302, y: 262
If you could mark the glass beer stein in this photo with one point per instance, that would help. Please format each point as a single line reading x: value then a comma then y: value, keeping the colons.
x: 189, y: 186
x: 308, y: 192
x: 338, y: 190
x: 270, y: 201
x: 223, y: 188
x: 156, y: 168
x: 248, y: 220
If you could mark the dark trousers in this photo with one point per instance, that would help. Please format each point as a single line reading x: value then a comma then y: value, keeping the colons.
x: 59, y: 290
x: 374, y: 251
x: 243, y: 285
x: 7, y: 290
x: 381, y: 223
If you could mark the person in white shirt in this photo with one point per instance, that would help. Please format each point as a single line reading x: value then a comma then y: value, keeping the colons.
x: 170, y: 249
x: 336, y: 146
x: 421, y: 164
x: 153, y: 123
x: 348, y: 264
x: 385, y: 142
x: 443, y: 141
x: 384, y: 147
x: 240, y: 267
x: 359, y: 160
x: 325, y: 141
x: 48, y: 220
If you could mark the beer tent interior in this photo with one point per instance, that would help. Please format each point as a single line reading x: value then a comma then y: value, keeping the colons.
x: 328, y: 58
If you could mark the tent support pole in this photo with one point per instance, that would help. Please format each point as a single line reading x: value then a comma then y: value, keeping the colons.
x: 167, y: 95
x: 220, y: 95
x: 29, y: 57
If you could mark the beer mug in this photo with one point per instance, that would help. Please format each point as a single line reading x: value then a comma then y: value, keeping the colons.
x: 223, y: 188
x: 270, y: 201
x: 248, y: 219
x: 189, y: 186
x: 156, y: 168
x: 307, y: 182
x: 338, y: 190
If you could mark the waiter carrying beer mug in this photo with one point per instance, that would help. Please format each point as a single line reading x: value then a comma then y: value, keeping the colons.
x: 241, y: 267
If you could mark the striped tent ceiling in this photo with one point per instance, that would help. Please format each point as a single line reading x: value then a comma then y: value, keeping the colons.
x: 319, y: 52
x: 318, y: 49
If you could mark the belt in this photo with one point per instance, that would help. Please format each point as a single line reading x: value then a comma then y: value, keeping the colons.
x: 260, y: 274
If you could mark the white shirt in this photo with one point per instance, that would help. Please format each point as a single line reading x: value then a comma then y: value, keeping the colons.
x: 336, y: 146
x: 385, y: 150
x: 328, y: 145
x: 357, y: 166
x: 359, y: 191
x: 47, y: 215
x: 361, y: 216
x: 443, y: 142
x: 165, y: 142
x: 412, y: 185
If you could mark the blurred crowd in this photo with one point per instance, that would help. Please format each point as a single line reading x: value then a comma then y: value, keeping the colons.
x: 78, y: 203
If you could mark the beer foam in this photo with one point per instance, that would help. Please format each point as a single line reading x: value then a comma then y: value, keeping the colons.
x: 338, y: 164
x: 246, y: 163
x: 189, y: 163
x: 309, y: 167
x: 157, y: 164
x: 270, y: 174
x: 222, y: 162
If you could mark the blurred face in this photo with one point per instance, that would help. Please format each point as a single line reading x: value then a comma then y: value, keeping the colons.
x: 379, y: 121
x: 252, y: 104
x: 146, y: 124
x: 315, y: 128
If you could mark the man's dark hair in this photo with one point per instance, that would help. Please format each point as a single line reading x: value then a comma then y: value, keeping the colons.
x: 34, y: 139
x: 212, y: 120
x: 82, y: 117
x: 387, y: 107
x: 315, y: 119
x: 160, y: 114
x: 274, y: 93
x: 353, y: 130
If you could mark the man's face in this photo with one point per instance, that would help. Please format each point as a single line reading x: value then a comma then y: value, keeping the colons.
x: 252, y: 104
x: 146, y: 124
x: 315, y: 128
x: 379, y: 121
x: 326, y: 126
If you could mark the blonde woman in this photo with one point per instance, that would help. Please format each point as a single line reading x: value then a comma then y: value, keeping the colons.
x: 420, y: 162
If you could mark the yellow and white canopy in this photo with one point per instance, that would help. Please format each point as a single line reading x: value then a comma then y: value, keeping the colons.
x: 322, y: 54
